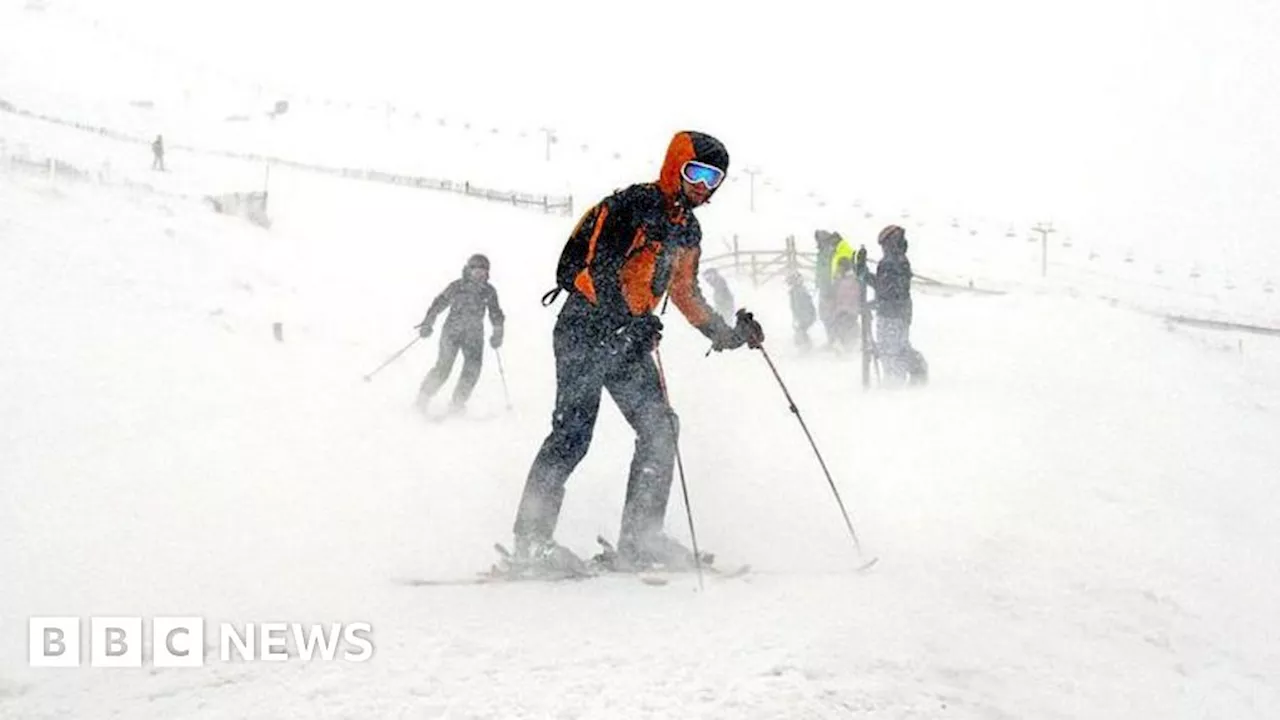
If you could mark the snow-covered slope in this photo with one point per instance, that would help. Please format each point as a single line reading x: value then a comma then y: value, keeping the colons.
x: 1073, y: 520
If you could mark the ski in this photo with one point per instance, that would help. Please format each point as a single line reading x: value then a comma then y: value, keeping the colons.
x: 663, y: 577
x: 496, y: 577
x: 508, y: 572
x: 607, y: 562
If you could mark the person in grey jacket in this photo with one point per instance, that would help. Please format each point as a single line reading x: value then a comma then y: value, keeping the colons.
x: 157, y: 153
x: 803, y: 314
x: 467, y: 299
x: 721, y: 295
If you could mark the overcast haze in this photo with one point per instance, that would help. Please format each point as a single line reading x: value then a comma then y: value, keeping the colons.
x: 1131, y: 125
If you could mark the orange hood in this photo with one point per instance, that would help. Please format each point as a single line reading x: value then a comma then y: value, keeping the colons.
x: 685, y: 146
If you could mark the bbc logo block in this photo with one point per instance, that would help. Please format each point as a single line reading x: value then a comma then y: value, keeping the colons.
x: 115, y: 642
x: 177, y: 642
x: 55, y: 642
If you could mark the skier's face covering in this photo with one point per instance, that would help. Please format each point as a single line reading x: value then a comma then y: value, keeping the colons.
x: 695, y: 193
x: 478, y: 274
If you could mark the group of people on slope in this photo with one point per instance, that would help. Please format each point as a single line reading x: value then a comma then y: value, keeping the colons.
x: 626, y: 253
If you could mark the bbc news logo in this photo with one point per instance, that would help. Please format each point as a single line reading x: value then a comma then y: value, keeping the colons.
x: 178, y: 642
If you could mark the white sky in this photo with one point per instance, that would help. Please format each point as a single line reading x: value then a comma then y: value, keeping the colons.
x: 1145, y: 125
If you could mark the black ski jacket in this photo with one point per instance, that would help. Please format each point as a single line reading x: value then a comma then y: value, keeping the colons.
x: 467, y: 301
x: 892, y: 283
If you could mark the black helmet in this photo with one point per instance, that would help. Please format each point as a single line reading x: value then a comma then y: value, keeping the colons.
x: 893, y: 236
x: 478, y: 261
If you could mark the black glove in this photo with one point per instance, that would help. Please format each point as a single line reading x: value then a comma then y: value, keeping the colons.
x: 747, y: 332
x: 495, y: 341
x: 750, y: 330
x: 424, y: 330
x: 640, y: 335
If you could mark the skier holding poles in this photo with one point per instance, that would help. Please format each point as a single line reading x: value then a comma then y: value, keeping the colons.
x: 467, y: 299
x: 627, y: 252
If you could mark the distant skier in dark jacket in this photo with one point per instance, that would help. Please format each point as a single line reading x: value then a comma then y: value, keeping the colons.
x: 893, y: 308
x: 721, y: 295
x: 467, y: 299
x: 803, y: 314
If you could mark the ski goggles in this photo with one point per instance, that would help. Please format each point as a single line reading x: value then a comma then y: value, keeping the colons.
x: 698, y: 172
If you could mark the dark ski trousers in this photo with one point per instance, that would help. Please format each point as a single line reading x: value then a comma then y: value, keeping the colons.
x: 588, y: 361
x: 471, y: 344
x: 893, y: 341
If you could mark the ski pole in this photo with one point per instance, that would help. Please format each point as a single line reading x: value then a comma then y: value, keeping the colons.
x: 391, y: 359
x: 503, y: 374
x: 848, y: 523
x: 864, y: 319
x: 870, y: 355
x: 684, y: 487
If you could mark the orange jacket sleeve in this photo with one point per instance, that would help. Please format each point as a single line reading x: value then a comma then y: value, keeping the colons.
x: 688, y: 297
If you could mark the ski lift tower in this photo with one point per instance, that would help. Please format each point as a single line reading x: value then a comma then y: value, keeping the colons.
x: 1044, y: 229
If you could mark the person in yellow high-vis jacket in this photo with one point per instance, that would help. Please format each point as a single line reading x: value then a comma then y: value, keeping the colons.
x: 843, y: 250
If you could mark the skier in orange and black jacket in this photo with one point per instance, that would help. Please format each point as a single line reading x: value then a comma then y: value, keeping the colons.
x: 625, y: 254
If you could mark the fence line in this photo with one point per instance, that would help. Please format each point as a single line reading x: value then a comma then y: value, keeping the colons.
x: 546, y: 203
x: 1210, y: 324
x: 55, y: 168
x: 763, y: 266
